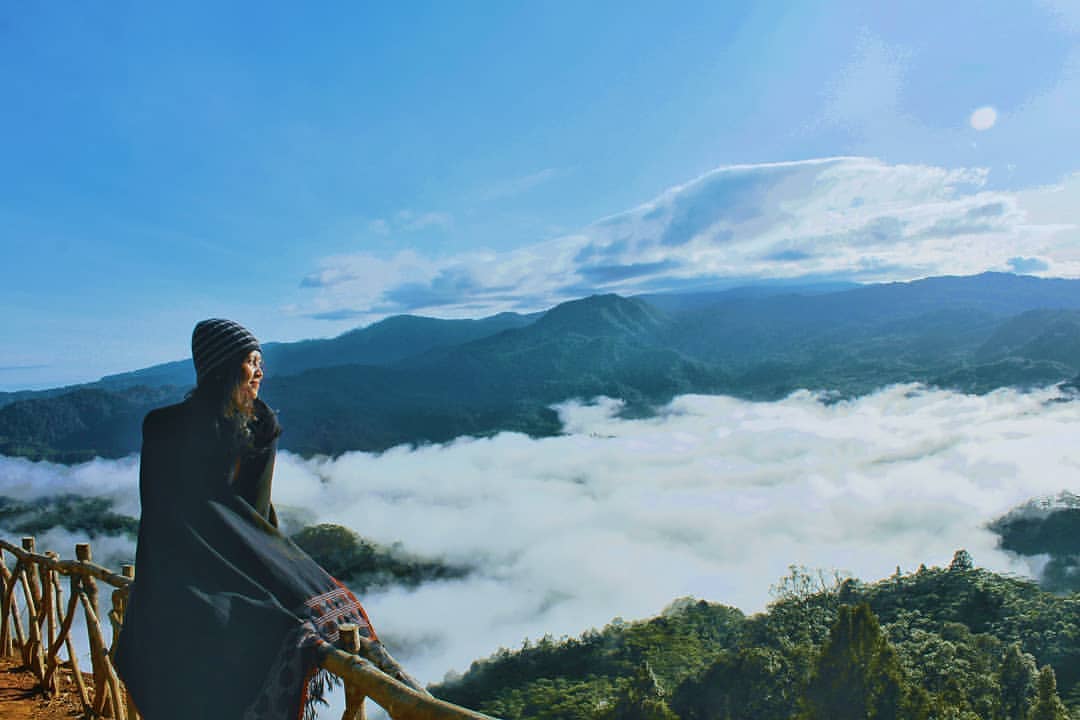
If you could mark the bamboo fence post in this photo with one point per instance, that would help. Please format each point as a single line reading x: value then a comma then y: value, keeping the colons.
x: 364, y: 665
x: 11, y: 603
x: 116, y: 619
x: 80, y: 681
x: 48, y: 581
x: 28, y: 544
x: 25, y: 640
x: 127, y: 571
x: 119, y: 607
x: 32, y: 652
x: 89, y: 584
x: 6, y: 581
x: 52, y: 662
x: 349, y: 638
x: 107, y: 690
x: 88, y: 593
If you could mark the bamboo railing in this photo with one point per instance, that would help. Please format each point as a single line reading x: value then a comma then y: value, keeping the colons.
x: 49, y: 621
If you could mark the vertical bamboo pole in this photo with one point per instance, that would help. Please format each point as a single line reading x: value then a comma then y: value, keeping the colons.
x: 33, y: 597
x: 12, y: 605
x: 107, y: 693
x: 32, y: 573
x: 32, y: 654
x: 116, y: 619
x: 88, y: 593
x: 6, y: 581
x: 80, y: 682
x: 349, y: 638
x: 52, y: 662
x: 48, y: 580
x: 89, y: 584
x: 119, y: 611
x: 127, y: 571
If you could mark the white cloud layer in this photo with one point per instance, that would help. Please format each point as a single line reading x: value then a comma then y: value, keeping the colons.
x: 849, y: 217
x: 715, y: 498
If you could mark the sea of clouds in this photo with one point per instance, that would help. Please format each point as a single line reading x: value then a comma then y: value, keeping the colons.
x: 714, y: 497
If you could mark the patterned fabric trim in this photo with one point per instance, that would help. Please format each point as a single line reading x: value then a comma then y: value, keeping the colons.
x: 295, y: 685
x: 336, y: 607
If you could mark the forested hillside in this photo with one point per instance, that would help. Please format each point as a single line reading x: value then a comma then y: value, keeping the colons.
x: 955, y: 642
x: 1046, y: 528
x: 934, y: 643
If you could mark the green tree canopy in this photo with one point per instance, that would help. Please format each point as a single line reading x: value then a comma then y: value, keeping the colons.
x: 1047, y: 705
x: 857, y: 676
x: 1017, y: 682
x: 642, y: 698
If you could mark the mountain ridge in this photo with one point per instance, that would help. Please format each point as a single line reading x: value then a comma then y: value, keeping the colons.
x: 410, y: 380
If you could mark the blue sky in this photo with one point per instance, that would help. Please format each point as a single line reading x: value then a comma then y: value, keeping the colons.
x: 309, y: 172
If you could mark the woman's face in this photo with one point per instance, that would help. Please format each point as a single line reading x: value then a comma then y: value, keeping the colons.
x: 251, y: 375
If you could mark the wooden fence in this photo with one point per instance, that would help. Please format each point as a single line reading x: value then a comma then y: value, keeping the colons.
x: 49, y: 620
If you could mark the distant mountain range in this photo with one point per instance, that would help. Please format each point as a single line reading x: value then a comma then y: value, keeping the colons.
x: 412, y: 379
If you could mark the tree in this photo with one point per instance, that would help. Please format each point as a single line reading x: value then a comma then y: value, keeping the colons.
x: 641, y: 699
x: 804, y: 606
x: 857, y: 675
x: 1047, y: 705
x: 1017, y: 681
x: 752, y: 683
x: 961, y: 560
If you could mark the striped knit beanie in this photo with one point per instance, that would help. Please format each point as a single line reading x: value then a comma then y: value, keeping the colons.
x: 215, y: 341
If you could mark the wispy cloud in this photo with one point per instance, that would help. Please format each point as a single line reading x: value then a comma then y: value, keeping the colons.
x: 517, y: 186
x: 1066, y: 12
x: 379, y: 226
x: 410, y: 221
x: 849, y: 217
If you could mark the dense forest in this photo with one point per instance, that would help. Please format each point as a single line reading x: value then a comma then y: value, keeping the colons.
x: 412, y: 380
x: 1049, y: 528
x: 957, y: 643
x: 365, y: 565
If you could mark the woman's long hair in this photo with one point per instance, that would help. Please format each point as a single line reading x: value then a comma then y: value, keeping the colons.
x: 216, y: 394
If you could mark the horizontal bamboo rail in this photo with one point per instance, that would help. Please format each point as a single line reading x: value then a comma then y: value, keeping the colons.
x: 365, y: 667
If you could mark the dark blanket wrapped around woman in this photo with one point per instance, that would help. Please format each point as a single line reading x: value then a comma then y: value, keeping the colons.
x: 227, y: 616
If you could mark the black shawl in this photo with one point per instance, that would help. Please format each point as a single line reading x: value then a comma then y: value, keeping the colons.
x: 226, y: 616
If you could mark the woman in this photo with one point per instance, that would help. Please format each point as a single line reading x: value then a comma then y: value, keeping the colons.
x: 227, y: 616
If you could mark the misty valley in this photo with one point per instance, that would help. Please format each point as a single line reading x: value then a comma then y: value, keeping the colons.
x: 805, y: 500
